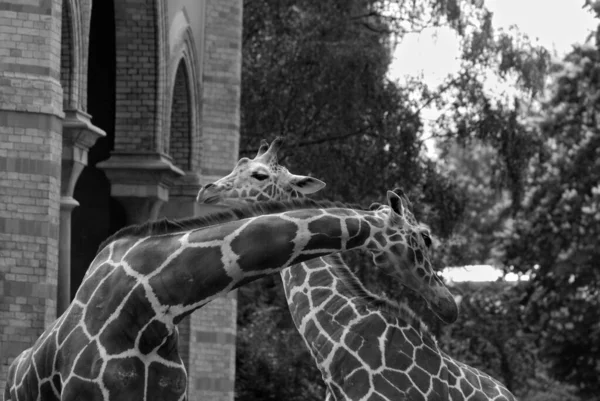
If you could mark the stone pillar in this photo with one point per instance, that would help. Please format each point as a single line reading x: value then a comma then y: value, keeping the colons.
x: 181, y: 205
x: 207, y: 337
x: 79, y: 135
x: 221, y: 87
x: 182, y: 198
x: 213, y: 328
x: 192, y: 347
x: 30, y: 156
x: 141, y: 182
x: 212, y: 335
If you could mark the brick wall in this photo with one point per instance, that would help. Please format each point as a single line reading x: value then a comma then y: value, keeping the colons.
x: 212, y: 358
x: 30, y: 157
x: 221, y: 86
x: 212, y: 330
x: 138, y: 76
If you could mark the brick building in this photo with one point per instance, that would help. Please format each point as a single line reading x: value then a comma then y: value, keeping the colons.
x: 112, y: 112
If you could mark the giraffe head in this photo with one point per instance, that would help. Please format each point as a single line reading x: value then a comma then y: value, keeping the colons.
x: 403, y: 250
x: 260, y: 179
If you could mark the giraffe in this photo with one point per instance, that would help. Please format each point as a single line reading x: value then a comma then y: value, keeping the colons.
x: 366, y: 347
x: 118, y: 338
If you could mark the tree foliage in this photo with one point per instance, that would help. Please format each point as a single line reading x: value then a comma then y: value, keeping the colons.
x: 316, y: 76
x: 315, y: 73
x: 500, y: 76
x: 492, y: 334
x: 555, y: 236
x: 474, y: 170
x: 545, y: 151
x: 273, y: 362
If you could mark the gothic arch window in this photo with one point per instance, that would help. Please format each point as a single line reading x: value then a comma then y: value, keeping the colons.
x: 184, y: 69
x: 180, y: 139
x: 67, y: 55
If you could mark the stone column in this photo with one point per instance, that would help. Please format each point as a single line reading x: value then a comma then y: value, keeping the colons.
x: 182, y: 204
x: 212, y: 367
x: 79, y: 135
x: 30, y: 152
x: 141, y: 182
x: 207, y: 338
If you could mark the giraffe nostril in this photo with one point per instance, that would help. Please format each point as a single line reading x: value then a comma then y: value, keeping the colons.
x: 209, y: 186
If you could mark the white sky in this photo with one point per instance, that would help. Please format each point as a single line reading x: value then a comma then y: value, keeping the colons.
x: 555, y: 24
x: 479, y: 273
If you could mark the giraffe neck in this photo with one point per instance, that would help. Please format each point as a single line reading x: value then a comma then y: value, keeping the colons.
x: 367, y: 347
x: 180, y: 272
x: 329, y: 279
x: 330, y: 306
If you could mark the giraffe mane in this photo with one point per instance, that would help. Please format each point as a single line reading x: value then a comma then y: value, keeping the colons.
x: 167, y: 226
x: 383, y: 304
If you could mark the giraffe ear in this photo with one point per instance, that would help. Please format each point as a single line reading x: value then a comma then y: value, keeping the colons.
x: 306, y: 185
x: 397, y: 206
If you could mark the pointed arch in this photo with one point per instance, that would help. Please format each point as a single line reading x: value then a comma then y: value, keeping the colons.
x: 70, y: 60
x: 183, y: 65
x: 180, y: 135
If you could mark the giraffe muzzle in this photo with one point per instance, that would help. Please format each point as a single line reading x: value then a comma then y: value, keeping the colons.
x: 445, y: 306
x: 207, y: 195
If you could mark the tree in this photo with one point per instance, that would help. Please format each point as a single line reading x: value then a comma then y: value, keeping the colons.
x: 555, y: 236
x: 545, y: 152
x: 500, y: 78
x: 492, y: 335
x: 315, y: 75
x: 272, y: 361
x: 474, y: 170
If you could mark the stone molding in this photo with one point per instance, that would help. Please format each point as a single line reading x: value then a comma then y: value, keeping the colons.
x: 79, y: 135
x: 141, y: 182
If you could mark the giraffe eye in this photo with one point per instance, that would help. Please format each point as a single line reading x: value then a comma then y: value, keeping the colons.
x: 260, y: 176
x: 427, y: 239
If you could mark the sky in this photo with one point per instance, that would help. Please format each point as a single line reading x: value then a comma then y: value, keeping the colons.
x: 479, y: 273
x: 555, y: 24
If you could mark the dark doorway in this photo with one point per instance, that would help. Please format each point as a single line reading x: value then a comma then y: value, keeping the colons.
x: 98, y: 215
